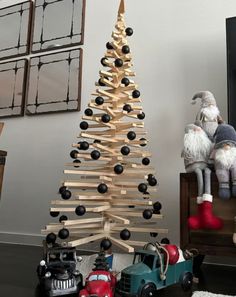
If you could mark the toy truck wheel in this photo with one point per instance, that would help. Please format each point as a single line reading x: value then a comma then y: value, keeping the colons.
x: 148, y: 290
x: 186, y: 281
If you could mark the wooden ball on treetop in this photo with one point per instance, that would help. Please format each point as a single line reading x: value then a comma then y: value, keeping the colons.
x: 104, y: 61
x: 125, y: 49
x: 147, y: 214
x: 102, y: 188
x: 76, y: 162
x: 73, y: 154
x: 99, y: 100
x: 101, y: 83
x: 118, y: 62
x: 143, y: 139
x: 157, y: 206
x: 131, y: 135
x: 118, y: 169
x: 142, y: 187
x: 62, y: 189
x: 95, y: 155
x: 63, y: 233
x: 136, y: 94
x: 84, y: 125
x: 66, y: 195
x: 145, y: 161
x: 152, y: 182
x: 84, y: 145
x: 54, y: 214
x: 125, y: 234
x: 88, y: 112
x: 127, y: 108
x: 80, y: 210
x: 106, y: 118
x: 125, y: 81
x: 109, y: 46
x: 51, y: 238
x: 141, y: 116
x: 63, y: 218
x: 105, y: 244
x: 125, y: 150
x: 129, y: 31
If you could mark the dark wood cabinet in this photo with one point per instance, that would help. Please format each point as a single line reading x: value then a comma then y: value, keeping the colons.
x: 208, y: 242
x: 3, y: 155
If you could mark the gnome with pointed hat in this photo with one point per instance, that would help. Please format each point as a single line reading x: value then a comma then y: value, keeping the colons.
x: 208, y: 116
x: 224, y: 156
x: 196, y: 152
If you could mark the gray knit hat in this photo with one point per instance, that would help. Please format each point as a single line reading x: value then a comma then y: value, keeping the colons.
x: 224, y: 134
x: 206, y: 97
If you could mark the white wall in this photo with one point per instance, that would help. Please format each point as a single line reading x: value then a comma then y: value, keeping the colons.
x: 179, y: 48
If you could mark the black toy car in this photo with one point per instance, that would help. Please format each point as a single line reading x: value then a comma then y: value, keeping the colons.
x: 57, y: 272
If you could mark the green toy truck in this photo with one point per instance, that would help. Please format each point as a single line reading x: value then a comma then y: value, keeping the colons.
x: 146, y: 275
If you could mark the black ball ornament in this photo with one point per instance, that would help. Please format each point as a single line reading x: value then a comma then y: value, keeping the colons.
x: 142, y: 188
x: 153, y: 234
x: 125, y: 150
x: 127, y: 108
x: 51, y: 238
x: 97, y: 141
x: 143, y: 139
x: 106, y: 118
x: 157, y: 206
x: 99, y: 100
x: 103, y: 62
x: 88, y: 112
x: 63, y: 233
x: 118, y: 62
x: 131, y: 135
x: 102, y: 188
x: 125, y: 81
x: 73, y: 154
x: 76, y: 162
x: 147, y: 214
x: 84, y: 125
x: 62, y: 189
x: 63, y: 218
x: 125, y: 234
x: 54, y: 214
x: 129, y: 31
x: 105, y: 244
x: 136, y: 94
x: 165, y: 240
x: 125, y: 49
x: 152, y: 182
x: 157, y: 212
x: 80, y: 210
x: 84, y: 145
x: 145, y: 161
x: 109, y: 46
x: 141, y: 116
x: 101, y: 83
x: 95, y: 155
x: 66, y: 195
x: 118, y: 169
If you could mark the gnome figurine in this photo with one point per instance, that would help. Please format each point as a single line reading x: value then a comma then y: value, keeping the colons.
x: 208, y: 116
x: 196, y: 152
x: 224, y: 156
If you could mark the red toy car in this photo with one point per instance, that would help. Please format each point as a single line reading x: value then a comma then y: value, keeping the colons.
x: 99, y: 283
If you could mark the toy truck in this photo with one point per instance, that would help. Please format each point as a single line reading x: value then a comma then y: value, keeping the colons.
x: 146, y: 276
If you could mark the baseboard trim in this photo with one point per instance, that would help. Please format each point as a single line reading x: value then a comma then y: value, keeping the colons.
x: 21, y: 238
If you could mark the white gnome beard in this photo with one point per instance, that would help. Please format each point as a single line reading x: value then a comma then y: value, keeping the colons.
x: 196, y: 145
x: 225, y: 157
x: 210, y: 112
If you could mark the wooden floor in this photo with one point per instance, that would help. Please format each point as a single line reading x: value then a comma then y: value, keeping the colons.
x: 18, y: 275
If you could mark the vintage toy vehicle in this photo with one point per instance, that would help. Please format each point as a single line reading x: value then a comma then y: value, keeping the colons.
x: 99, y: 283
x: 57, y: 272
x: 145, y: 276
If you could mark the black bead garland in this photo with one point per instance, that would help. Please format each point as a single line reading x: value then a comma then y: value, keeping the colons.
x: 101, y: 83
x: 54, y: 214
x: 141, y: 116
x: 143, y: 139
x: 125, y: 81
x: 127, y: 108
x: 102, y: 188
x: 84, y: 145
x: 125, y: 234
x: 131, y: 135
x: 63, y: 233
x: 84, y: 125
x: 136, y: 94
x: 66, y: 195
x: 152, y: 182
x: 63, y: 218
x: 129, y: 31
x: 153, y: 234
x: 109, y: 46
x: 80, y: 210
x: 77, y: 162
x: 99, y: 100
x: 125, y: 150
x: 165, y: 240
x: 103, y: 62
x: 118, y: 62
x: 51, y: 238
x: 147, y: 214
x: 88, y: 112
x: 125, y: 49
x: 106, y: 118
x: 157, y: 206
x: 73, y: 154
x: 105, y: 244
x: 142, y: 187
x: 145, y: 161
x: 95, y: 155
x: 118, y: 169
x: 62, y: 189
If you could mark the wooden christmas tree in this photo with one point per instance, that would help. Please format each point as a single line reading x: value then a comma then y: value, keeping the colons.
x: 110, y: 183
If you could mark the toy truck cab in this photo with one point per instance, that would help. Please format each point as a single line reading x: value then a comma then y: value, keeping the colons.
x: 57, y: 272
x: 144, y: 277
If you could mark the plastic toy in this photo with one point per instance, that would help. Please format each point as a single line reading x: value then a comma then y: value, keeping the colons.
x: 57, y: 272
x: 149, y: 273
